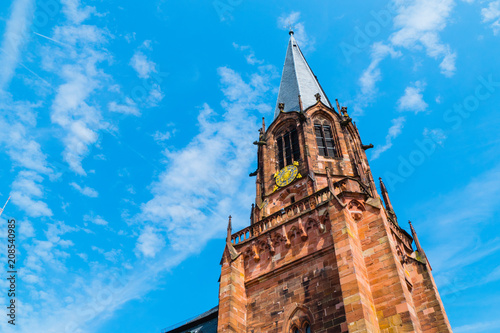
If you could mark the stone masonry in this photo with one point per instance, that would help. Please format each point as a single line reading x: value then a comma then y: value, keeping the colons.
x: 325, y: 251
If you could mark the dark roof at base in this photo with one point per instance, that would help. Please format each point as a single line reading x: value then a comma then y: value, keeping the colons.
x: 203, y: 323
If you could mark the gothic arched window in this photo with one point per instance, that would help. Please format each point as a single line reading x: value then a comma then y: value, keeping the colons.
x: 288, y: 148
x: 307, y: 329
x: 325, y: 139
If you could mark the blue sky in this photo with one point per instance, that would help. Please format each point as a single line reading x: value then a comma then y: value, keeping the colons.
x: 126, y: 131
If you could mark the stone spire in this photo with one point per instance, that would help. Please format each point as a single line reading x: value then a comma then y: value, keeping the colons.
x: 229, y: 230
x: 421, y: 254
x: 299, y: 88
x: 387, y: 201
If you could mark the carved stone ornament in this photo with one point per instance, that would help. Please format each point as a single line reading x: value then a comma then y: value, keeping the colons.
x: 356, y: 209
x: 401, y: 254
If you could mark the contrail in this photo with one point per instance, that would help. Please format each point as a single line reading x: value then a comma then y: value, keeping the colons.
x: 38, y: 76
x: 2, y: 209
x: 51, y: 39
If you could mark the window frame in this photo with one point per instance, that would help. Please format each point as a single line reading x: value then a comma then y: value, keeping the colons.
x: 328, y: 147
x: 288, y: 147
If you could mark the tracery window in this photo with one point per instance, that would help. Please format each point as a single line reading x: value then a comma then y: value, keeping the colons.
x: 325, y: 140
x: 288, y: 148
x: 305, y: 329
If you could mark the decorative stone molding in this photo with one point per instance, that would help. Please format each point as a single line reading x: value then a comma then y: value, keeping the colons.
x: 296, y: 315
x: 279, y: 240
x: 302, y: 207
x: 356, y: 209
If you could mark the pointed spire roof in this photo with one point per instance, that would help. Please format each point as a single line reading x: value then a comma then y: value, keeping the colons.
x: 298, y: 79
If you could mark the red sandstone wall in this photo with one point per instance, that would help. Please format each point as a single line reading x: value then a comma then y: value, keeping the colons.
x: 340, y: 265
x: 313, y: 284
x: 295, y: 281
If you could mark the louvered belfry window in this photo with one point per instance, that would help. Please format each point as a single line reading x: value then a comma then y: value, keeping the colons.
x: 325, y: 140
x: 288, y: 148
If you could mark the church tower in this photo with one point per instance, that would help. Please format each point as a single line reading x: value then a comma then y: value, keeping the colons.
x: 322, y: 253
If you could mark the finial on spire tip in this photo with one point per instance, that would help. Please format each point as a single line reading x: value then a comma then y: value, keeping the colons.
x: 290, y: 32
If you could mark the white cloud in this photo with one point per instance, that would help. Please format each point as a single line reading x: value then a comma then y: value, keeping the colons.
x: 46, y: 255
x: 142, y: 65
x: 250, y: 54
x: 155, y: 96
x: 113, y: 255
x: 198, y: 210
x: 413, y: 99
x: 130, y: 189
x: 80, y: 120
x: 86, y: 191
x: 16, y: 128
x: 287, y: 21
x: 87, y: 308
x: 394, y: 131
x: 419, y: 23
x: 130, y: 37
x: 69, y: 36
x: 84, y: 256
x: 26, y: 192
x: 147, y: 69
x: 100, y: 157
x: 15, y: 35
x: 214, y: 162
x: 97, y: 249
x: 160, y: 137
x: 77, y: 66
x: 447, y: 66
x: 372, y: 75
x: 150, y: 242
x: 26, y: 229
x: 96, y: 219
x: 75, y: 12
x: 491, y: 14
x: 128, y: 108
x: 437, y: 135
x: 19, y: 119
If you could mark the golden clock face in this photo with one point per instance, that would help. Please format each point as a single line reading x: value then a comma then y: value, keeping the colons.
x: 286, y: 175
